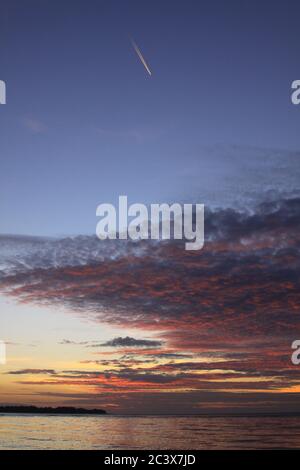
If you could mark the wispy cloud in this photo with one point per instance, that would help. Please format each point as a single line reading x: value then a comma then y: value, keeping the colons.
x: 31, y: 372
x: 35, y: 126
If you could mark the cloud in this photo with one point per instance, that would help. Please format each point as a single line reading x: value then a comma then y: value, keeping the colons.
x: 68, y: 341
x: 120, y: 342
x: 131, y: 342
x: 224, y: 317
x: 35, y: 126
x: 31, y: 372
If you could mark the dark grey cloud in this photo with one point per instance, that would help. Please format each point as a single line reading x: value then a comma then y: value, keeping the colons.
x: 269, y: 216
x: 32, y: 372
x: 127, y: 341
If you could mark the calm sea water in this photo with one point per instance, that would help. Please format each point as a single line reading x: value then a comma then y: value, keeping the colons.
x: 151, y: 432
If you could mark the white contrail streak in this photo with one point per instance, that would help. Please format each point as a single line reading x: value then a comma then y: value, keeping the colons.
x: 140, y: 56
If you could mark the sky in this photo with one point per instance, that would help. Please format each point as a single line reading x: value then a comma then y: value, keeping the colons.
x: 142, y: 327
x: 84, y: 122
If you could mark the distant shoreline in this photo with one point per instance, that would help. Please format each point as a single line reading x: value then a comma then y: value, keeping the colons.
x: 67, y: 410
x: 61, y: 410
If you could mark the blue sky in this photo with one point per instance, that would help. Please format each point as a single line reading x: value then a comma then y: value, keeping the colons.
x: 85, y: 123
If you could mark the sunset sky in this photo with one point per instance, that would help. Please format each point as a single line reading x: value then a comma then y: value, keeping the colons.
x: 143, y: 327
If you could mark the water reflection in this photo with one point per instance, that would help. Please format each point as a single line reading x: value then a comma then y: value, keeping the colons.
x: 151, y: 432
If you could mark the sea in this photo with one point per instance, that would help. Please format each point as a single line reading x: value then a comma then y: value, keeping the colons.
x: 147, y: 432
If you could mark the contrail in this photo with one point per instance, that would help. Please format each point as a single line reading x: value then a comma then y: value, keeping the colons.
x: 140, y: 56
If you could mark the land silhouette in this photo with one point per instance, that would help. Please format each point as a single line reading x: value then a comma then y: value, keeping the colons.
x: 61, y: 410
